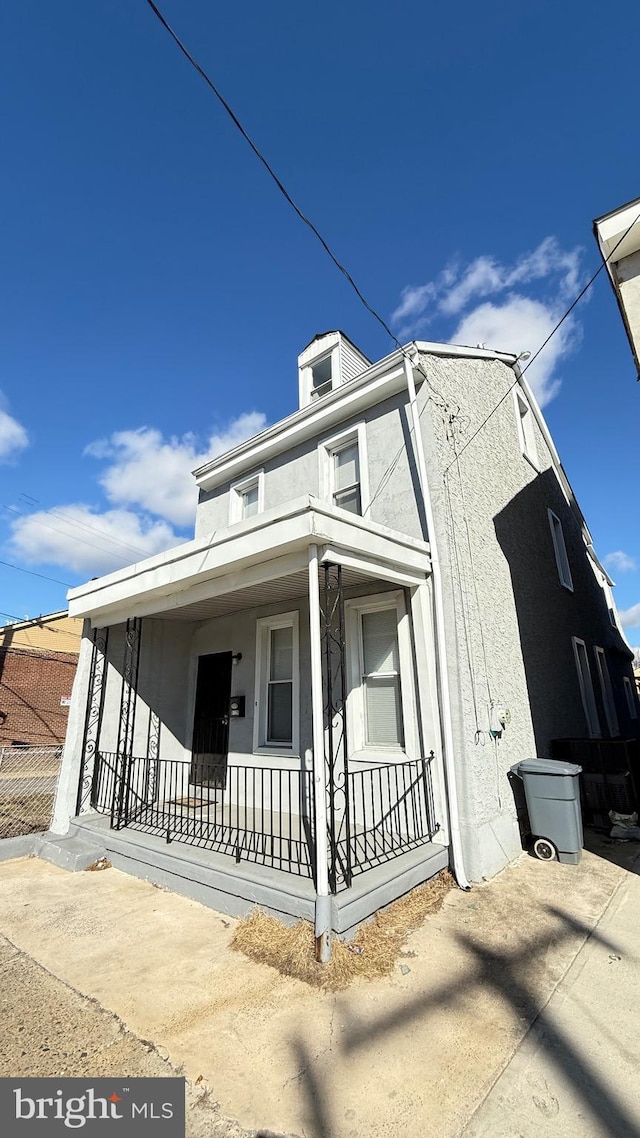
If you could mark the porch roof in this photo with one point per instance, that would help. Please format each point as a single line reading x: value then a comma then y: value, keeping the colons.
x: 257, y: 561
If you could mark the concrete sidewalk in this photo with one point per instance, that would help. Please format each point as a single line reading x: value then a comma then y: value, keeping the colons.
x: 577, y: 1073
x: 416, y: 1053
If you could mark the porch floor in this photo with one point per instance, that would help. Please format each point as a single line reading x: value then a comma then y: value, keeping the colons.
x: 216, y: 880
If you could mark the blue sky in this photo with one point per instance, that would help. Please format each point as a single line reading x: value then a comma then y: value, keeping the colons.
x: 156, y: 289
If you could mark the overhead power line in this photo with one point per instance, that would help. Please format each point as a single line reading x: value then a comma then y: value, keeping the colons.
x: 552, y: 333
x: 67, y: 584
x: 338, y: 264
x: 271, y: 172
x: 65, y: 533
x: 80, y: 525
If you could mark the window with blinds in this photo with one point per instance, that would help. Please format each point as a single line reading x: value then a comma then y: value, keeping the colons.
x: 346, y: 478
x: 381, y: 678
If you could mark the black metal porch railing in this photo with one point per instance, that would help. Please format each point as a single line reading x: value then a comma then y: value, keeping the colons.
x: 257, y: 814
x: 266, y: 815
x: 392, y: 812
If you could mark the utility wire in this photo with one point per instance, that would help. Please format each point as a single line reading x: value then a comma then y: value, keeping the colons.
x: 81, y: 525
x: 544, y: 344
x: 306, y: 221
x: 67, y: 584
x: 56, y: 529
x: 271, y: 172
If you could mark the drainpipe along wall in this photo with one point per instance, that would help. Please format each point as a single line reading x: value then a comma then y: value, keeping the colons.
x: 323, y: 897
x: 440, y: 645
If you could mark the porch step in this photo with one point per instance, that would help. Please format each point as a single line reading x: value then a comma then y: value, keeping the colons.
x: 69, y: 852
x: 216, y: 880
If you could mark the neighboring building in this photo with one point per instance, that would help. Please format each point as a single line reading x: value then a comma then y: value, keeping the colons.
x: 391, y: 598
x: 618, y: 237
x: 38, y: 660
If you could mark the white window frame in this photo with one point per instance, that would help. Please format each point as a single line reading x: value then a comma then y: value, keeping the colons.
x: 586, y: 688
x: 326, y: 450
x: 606, y: 691
x: 316, y: 393
x: 560, y: 550
x: 356, y: 718
x: 631, y: 697
x: 526, y: 428
x: 237, y: 491
x: 264, y: 627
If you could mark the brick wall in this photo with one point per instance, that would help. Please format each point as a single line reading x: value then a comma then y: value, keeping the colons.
x: 32, y: 684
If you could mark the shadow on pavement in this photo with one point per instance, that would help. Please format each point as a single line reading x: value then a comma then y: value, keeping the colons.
x: 504, y: 974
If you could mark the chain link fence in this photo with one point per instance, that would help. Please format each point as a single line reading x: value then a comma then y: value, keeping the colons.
x: 28, y: 781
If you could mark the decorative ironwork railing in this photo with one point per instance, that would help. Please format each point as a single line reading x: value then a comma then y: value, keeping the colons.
x: 266, y: 815
x: 257, y: 814
x: 391, y: 812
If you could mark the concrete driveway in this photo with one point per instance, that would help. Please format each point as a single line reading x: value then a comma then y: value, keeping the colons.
x: 432, y: 1050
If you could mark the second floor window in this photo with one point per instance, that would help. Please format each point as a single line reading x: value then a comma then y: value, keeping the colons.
x: 560, y: 549
x: 346, y: 478
x: 343, y: 470
x: 246, y: 498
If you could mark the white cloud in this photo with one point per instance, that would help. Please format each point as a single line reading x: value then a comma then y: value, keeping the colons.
x: 13, y: 436
x: 620, y: 562
x: 153, y: 473
x: 630, y: 618
x: 517, y: 325
x: 88, y: 541
x: 148, y: 481
x: 516, y: 322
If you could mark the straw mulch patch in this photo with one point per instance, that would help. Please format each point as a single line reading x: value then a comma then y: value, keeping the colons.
x: 373, y: 952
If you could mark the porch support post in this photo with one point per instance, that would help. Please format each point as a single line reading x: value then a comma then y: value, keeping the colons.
x: 93, y: 720
x: 323, y: 897
x: 128, y: 701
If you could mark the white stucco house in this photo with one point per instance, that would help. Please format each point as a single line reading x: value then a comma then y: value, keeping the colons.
x: 391, y: 597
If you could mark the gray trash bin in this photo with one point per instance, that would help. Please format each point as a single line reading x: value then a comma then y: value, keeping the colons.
x: 552, y: 791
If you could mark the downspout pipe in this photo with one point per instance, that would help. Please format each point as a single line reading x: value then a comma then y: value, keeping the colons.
x: 323, y: 896
x: 439, y: 635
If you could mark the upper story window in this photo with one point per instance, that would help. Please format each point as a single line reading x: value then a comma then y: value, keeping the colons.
x: 606, y: 691
x: 346, y: 478
x: 526, y: 428
x: 321, y: 377
x: 246, y: 497
x: 631, y: 697
x: 586, y: 687
x: 562, y: 560
x: 326, y: 363
x: 343, y: 470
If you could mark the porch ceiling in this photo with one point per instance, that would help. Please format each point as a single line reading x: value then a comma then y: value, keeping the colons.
x: 270, y: 592
x: 254, y: 562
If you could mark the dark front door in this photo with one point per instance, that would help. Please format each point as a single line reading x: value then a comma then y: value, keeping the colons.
x: 210, y: 747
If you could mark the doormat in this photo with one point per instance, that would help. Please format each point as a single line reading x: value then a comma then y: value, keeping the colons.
x: 192, y: 802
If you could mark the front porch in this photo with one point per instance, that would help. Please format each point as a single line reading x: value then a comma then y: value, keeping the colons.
x: 221, y: 720
x: 267, y: 816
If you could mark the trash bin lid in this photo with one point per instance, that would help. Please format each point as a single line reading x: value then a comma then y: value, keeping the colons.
x: 546, y: 766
